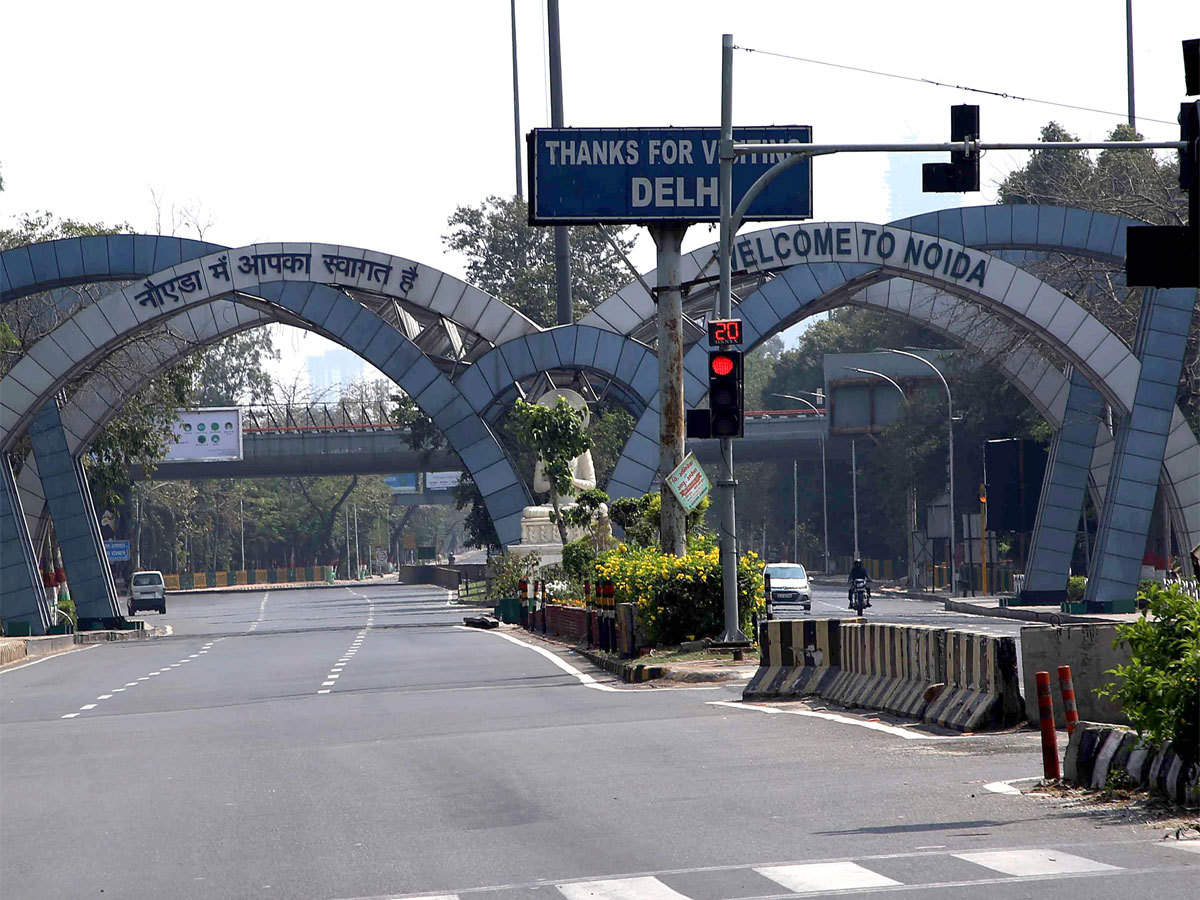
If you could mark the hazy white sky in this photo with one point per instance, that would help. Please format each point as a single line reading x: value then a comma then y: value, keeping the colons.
x: 367, y: 123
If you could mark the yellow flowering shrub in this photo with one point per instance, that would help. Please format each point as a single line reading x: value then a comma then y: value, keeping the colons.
x: 679, y: 598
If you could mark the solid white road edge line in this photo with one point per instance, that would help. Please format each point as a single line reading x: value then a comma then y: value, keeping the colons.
x: 893, y: 730
x: 584, y: 678
x: 42, y: 659
x: 1006, y: 787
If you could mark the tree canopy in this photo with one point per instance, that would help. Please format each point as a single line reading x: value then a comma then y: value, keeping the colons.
x: 514, y: 261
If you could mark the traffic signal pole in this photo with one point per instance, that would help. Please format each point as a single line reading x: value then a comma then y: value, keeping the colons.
x: 726, y: 483
x: 965, y: 151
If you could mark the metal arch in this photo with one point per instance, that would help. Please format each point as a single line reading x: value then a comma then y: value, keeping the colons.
x: 897, y: 296
x: 1064, y: 229
x: 122, y: 257
x: 626, y: 363
x: 87, y: 337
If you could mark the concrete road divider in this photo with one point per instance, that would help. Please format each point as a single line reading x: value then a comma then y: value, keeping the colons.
x: 1095, y: 751
x: 958, y: 679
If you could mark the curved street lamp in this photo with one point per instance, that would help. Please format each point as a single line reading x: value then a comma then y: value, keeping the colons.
x: 824, y: 494
x: 950, y: 467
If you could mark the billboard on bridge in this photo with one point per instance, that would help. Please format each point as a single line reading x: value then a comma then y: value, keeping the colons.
x: 441, y: 481
x: 212, y: 434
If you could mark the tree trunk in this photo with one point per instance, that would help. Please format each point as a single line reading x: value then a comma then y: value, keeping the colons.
x: 558, y: 519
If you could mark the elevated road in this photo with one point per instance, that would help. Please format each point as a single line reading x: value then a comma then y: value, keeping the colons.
x: 318, y: 447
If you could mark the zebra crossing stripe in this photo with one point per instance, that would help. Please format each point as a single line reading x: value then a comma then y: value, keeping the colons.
x: 833, y: 876
x: 644, y: 888
x: 1033, y: 862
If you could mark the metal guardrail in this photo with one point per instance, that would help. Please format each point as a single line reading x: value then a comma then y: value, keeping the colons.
x: 357, y: 417
x: 318, y: 417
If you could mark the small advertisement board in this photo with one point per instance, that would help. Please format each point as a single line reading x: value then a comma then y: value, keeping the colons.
x: 441, y: 481
x: 404, y: 483
x: 689, y: 483
x: 213, y: 434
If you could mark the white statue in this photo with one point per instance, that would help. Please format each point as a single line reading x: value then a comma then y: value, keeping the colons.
x: 537, y: 524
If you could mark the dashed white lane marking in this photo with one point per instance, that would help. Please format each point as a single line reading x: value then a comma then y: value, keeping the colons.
x: 129, y: 684
x: 262, y: 612
x: 832, y: 876
x: 1033, y: 862
x: 335, y: 670
x: 893, y: 730
x: 644, y: 888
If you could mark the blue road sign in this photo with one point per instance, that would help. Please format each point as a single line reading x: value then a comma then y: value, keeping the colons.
x: 117, y: 551
x: 638, y: 175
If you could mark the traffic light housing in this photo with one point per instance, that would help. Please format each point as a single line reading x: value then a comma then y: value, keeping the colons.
x: 1166, y: 256
x: 725, y: 393
x: 962, y: 172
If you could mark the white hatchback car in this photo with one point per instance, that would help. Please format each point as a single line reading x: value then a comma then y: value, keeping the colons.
x: 147, y: 591
x: 788, y: 588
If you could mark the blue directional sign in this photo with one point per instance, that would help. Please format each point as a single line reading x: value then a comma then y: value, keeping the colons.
x: 638, y: 175
x: 117, y: 551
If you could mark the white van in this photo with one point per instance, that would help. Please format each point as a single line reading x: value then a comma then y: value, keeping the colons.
x: 147, y: 591
x: 787, y: 587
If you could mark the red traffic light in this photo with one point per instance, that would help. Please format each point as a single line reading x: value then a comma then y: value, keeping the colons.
x: 721, y: 364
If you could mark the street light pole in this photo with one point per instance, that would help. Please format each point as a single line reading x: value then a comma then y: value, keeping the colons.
x: 950, y: 464
x: 824, y: 479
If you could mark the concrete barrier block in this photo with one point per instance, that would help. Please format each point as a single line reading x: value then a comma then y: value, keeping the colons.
x: 1089, y: 651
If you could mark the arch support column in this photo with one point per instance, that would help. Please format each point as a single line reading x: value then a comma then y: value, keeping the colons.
x: 22, y: 597
x: 1141, y: 444
x: 69, y: 500
x: 1063, y: 492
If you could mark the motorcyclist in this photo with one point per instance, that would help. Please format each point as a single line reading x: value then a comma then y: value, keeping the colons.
x: 858, y: 570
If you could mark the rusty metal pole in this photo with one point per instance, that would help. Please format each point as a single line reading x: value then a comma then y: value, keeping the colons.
x: 668, y: 239
x: 1050, y: 765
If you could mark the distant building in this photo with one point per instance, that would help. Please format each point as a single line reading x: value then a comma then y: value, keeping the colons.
x: 333, y: 369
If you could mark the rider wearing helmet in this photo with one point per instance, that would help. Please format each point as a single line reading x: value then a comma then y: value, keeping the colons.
x: 858, y: 570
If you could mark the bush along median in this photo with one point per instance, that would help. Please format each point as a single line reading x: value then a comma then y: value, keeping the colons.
x: 1159, y: 688
x: 678, y: 598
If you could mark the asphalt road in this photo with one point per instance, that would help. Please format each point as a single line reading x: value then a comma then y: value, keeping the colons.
x: 349, y: 743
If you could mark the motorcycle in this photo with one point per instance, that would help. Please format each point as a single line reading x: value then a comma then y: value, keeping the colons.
x: 860, y: 596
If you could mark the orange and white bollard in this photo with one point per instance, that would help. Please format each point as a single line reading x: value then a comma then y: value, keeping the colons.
x: 1050, y: 765
x: 1067, y: 687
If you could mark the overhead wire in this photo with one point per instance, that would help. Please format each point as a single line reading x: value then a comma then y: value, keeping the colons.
x: 962, y: 87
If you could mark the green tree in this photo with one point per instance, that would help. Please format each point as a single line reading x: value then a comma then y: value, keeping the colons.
x: 556, y: 435
x: 514, y: 261
x: 234, y: 371
x: 1135, y: 183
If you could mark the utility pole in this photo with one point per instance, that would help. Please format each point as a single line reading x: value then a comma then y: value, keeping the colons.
x: 562, y: 249
x: 795, y: 516
x: 854, y: 492
x: 516, y: 98
x: 357, y: 552
x: 726, y: 482
x: 672, y: 519
x: 1129, y: 57
x: 346, y: 529
x: 242, y: 515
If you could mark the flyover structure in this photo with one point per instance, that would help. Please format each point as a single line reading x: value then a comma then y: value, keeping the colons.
x: 463, y: 356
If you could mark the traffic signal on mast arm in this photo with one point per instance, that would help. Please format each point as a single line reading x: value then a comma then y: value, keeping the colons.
x: 962, y: 172
x: 1168, y: 256
x: 725, y: 392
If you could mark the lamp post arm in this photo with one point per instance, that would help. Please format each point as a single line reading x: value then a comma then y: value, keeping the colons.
x: 903, y: 396
x: 801, y: 399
